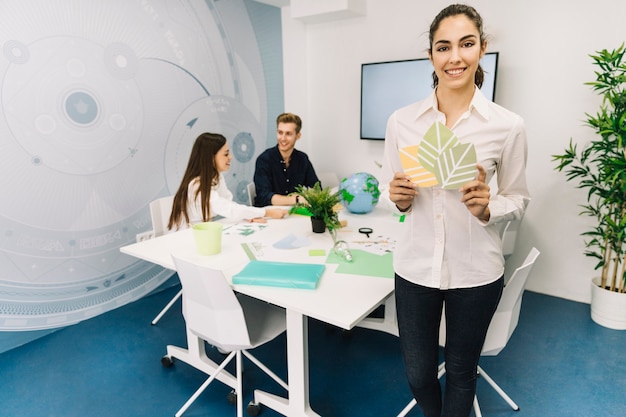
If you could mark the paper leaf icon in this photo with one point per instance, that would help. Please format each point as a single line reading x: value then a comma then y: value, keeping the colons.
x: 456, y: 166
x: 439, y: 159
x: 416, y: 172
x: 437, y: 140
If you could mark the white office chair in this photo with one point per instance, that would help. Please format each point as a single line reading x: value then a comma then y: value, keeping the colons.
x: 233, y: 323
x: 251, y: 188
x: 500, y: 330
x: 509, y: 237
x: 160, y: 210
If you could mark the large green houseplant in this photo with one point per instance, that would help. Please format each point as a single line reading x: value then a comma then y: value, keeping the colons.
x: 599, y: 167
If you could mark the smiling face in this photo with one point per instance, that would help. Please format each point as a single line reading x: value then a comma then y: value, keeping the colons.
x: 456, y: 52
x: 286, y: 136
x: 222, y: 159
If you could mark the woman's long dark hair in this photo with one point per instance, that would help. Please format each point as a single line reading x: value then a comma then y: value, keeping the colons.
x: 201, y: 165
x: 472, y: 14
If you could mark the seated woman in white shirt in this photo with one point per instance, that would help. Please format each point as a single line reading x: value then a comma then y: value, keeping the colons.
x: 203, y: 193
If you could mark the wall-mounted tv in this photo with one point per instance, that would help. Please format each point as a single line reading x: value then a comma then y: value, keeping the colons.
x: 387, y: 86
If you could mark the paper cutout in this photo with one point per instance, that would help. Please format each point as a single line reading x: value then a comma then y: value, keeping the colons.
x: 457, y: 166
x: 364, y: 263
x: 437, y: 140
x: 376, y: 244
x: 439, y: 159
x: 291, y: 241
x: 254, y: 250
x: 243, y: 229
x: 412, y: 167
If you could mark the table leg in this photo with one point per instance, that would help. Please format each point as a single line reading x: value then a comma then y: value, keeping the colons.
x: 388, y: 323
x: 297, y: 370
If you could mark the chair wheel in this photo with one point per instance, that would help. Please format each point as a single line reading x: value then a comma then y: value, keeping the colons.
x: 253, y: 409
x: 231, y: 397
x: 167, y: 361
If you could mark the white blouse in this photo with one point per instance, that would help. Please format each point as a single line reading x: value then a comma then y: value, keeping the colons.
x: 221, y: 204
x: 442, y: 245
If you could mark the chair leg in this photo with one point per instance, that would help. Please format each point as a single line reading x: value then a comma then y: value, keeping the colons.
x: 499, y: 390
x: 477, y: 407
x: 206, y: 384
x: 482, y: 373
x: 167, y: 307
x: 266, y: 370
x: 440, y: 371
x: 239, y: 386
x: 408, y: 408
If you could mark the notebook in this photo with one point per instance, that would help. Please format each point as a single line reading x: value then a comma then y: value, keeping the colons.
x: 280, y: 274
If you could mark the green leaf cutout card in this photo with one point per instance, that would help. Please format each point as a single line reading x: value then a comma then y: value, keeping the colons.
x: 439, y: 159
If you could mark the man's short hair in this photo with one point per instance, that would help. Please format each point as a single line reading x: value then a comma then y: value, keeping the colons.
x: 290, y: 118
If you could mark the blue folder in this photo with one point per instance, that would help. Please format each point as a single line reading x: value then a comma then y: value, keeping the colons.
x: 280, y: 274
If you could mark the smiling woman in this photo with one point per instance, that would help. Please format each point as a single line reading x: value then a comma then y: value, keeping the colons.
x: 452, y: 250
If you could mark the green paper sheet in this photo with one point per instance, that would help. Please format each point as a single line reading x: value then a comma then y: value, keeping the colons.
x: 364, y: 263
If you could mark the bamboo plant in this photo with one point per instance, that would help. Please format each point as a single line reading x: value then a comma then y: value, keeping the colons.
x: 599, y: 167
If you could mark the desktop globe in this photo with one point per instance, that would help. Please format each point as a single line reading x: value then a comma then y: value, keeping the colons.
x: 359, y: 192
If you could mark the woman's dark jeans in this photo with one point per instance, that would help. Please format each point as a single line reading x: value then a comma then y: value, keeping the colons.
x: 468, y: 314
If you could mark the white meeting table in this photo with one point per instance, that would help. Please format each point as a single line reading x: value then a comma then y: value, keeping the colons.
x: 340, y: 299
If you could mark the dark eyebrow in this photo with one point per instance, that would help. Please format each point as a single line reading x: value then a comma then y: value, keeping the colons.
x: 464, y: 38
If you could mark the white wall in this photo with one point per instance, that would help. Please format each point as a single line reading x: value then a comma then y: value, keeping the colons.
x: 544, y: 47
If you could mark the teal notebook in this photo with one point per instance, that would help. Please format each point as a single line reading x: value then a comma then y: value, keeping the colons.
x: 280, y: 274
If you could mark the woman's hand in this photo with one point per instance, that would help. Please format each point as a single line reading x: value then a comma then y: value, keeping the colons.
x: 402, y: 191
x: 272, y: 213
x: 476, y: 195
x: 276, y: 213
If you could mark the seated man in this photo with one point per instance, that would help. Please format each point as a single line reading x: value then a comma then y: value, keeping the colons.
x: 281, y: 168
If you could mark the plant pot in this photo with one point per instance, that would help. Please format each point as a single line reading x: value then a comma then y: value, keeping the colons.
x: 608, y: 308
x: 318, y: 225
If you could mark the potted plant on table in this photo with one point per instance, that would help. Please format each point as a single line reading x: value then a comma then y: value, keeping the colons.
x: 600, y: 168
x: 320, y: 203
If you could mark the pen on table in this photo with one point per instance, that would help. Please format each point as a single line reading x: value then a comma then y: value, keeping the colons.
x: 370, y: 241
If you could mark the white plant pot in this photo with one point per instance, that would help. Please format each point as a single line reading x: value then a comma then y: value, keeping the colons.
x: 608, y: 308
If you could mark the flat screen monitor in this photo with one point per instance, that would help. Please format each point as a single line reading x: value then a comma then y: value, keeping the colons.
x: 387, y: 86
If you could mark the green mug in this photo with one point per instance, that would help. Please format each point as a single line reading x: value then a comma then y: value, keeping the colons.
x: 208, y: 236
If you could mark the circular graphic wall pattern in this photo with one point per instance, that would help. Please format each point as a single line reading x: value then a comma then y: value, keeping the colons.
x: 87, y: 110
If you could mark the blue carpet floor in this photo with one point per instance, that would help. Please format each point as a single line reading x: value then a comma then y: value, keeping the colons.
x: 558, y: 363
